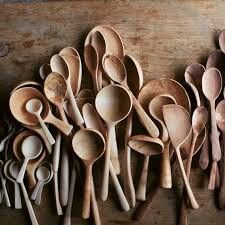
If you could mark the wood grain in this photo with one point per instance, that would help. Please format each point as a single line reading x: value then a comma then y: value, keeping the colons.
x: 165, y: 36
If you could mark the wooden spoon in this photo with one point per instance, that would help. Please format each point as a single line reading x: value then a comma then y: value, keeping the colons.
x: 211, y: 86
x: 178, y: 125
x: 14, y: 169
x: 17, y: 106
x: 115, y: 69
x: 69, y: 51
x: 35, y: 107
x: 113, y: 103
x: 222, y: 40
x: 89, y: 145
x: 59, y: 65
x: 155, y: 109
x: 220, y: 119
x: 31, y: 149
x: 17, y: 196
x: 92, y: 62
x: 44, y: 71
x: 148, y: 147
x: 199, y: 120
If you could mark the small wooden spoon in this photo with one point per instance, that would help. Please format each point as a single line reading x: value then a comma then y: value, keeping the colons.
x: 211, y: 86
x: 89, y: 145
x: 17, y: 106
x: 107, y: 102
x: 35, y: 107
x: 116, y: 70
x: 59, y: 65
x: 31, y: 149
x: 178, y: 125
x: 14, y: 169
x: 148, y: 147
x: 155, y: 109
x: 220, y: 119
x: 44, y: 71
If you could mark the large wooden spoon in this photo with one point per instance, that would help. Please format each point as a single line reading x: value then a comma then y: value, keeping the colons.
x: 178, y: 124
x: 113, y: 104
x: 116, y: 71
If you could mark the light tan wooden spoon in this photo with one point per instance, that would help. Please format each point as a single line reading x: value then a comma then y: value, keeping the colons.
x: 59, y: 65
x: 116, y: 70
x: 155, y: 109
x: 17, y: 106
x: 113, y: 103
x: 89, y: 145
x: 178, y: 124
x: 148, y: 147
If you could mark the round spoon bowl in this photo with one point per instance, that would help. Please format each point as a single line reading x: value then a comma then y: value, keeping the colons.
x: 43, y: 173
x: 14, y: 169
x: 34, y: 106
x: 113, y: 103
x: 199, y: 119
x: 220, y: 114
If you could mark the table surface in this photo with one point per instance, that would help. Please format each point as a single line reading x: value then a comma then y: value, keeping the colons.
x: 164, y: 36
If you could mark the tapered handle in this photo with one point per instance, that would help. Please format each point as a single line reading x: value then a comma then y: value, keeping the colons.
x: 192, y: 199
x: 48, y: 135
x: 56, y: 188
x: 166, y: 177
x: 3, y: 182
x: 216, y: 151
x: 35, y: 191
x: 141, y: 189
x: 105, y: 182
x: 122, y: 198
x: 22, y: 171
x: 39, y: 195
x: 212, y: 177
x: 128, y: 180
x: 222, y: 186
x: 145, y: 119
x: 204, y: 156
x: 87, y: 193
x: 17, y: 196
x: 76, y: 112
x: 56, y: 152
x: 29, y: 206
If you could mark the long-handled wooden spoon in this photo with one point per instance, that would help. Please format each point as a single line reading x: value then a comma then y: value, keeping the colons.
x: 178, y: 124
x: 116, y: 71
x: 113, y: 104
x: 211, y: 86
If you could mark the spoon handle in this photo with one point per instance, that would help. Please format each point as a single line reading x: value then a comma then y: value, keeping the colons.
x: 56, y: 188
x: 128, y: 180
x: 192, y: 199
x: 222, y: 187
x: 212, y: 177
x: 144, y: 118
x: 3, y: 181
x: 122, y: 198
x: 22, y: 171
x: 166, y: 177
x: 56, y: 152
x: 39, y: 194
x: 35, y: 191
x: 204, y: 156
x: 17, y: 196
x: 29, y: 206
x: 49, y: 136
x: 141, y: 189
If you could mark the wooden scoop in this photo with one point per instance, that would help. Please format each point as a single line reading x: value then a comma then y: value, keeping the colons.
x: 31, y: 149
x: 17, y: 104
x: 89, y: 145
x: 155, y: 109
x: 116, y: 71
x: 59, y: 65
x: 178, y: 124
x: 113, y: 103
x: 148, y: 147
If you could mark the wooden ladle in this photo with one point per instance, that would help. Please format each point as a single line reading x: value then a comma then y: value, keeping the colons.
x: 148, y: 147
x: 17, y: 104
x: 89, y: 145
x: 155, y: 109
x: 116, y: 71
x: 113, y: 103
x: 178, y: 124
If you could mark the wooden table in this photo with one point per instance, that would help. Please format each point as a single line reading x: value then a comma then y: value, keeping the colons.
x: 164, y: 36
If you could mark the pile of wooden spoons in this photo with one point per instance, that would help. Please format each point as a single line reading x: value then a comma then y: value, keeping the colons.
x: 85, y: 129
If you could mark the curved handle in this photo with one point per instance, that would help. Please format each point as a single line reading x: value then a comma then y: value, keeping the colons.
x: 123, y: 201
x: 22, y: 171
x: 35, y: 191
x: 166, y: 177
x: 141, y: 189
x: 56, y: 188
x: 48, y: 135
x: 17, y: 196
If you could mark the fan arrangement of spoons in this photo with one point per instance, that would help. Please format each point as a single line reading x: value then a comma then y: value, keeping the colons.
x: 64, y: 129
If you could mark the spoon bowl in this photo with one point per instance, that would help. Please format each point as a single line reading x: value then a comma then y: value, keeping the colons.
x: 44, y: 71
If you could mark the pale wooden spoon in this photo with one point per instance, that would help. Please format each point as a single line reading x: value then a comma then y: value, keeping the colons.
x: 89, y: 145
x: 211, y: 86
x: 148, y: 147
x: 116, y: 70
x: 107, y: 102
x: 178, y: 124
